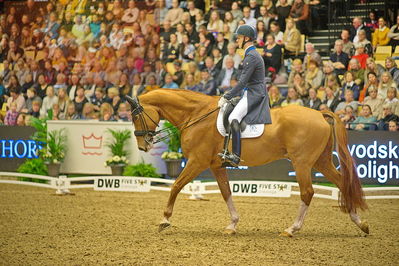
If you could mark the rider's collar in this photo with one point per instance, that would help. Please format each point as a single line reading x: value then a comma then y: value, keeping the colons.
x: 248, y: 49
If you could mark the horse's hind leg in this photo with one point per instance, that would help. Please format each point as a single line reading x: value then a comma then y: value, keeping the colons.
x: 325, y: 165
x: 306, y: 190
x: 189, y: 173
x: 223, y: 182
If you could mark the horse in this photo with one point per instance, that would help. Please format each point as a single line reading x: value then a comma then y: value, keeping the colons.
x: 305, y: 136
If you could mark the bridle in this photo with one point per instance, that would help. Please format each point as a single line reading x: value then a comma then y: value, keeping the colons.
x: 149, y: 136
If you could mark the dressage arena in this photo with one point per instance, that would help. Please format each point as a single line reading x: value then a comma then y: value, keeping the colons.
x: 121, y: 228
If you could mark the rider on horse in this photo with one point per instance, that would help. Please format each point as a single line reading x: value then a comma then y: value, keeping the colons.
x: 253, y: 106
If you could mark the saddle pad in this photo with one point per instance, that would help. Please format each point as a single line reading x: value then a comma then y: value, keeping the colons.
x: 251, y: 131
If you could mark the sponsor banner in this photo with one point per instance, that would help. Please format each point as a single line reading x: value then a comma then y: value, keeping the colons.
x: 260, y: 189
x: 131, y: 184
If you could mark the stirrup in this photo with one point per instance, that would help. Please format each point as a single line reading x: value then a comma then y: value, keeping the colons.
x: 223, y: 154
x: 231, y: 160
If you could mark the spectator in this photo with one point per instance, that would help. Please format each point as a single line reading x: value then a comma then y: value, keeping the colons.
x: 264, y: 17
x: 360, y: 55
x: 11, y: 115
x: 362, y: 40
x: 331, y: 100
x: 31, y: 97
x: 372, y: 82
x: 113, y: 98
x: 357, y: 71
x: 71, y: 112
x: 311, y: 54
x: 275, y: 31
x: 63, y: 101
x: 296, y: 67
x: 347, y: 43
x: 329, y: 74
x: 17, y: 98
x: 211, y: 68
x: 97, y: 99
x: 392, y: 100
x: 178, y: 76
x: 192, y: 10
x: 349, y: 101
x: 169, y: 84
x: 292, y: 38
x: 207, y: 84
x: 371, y: 22
x: 187, y: 50
x: 272, y: 55
x: 374, y: 101
x: 313, y: 75
x: 52, y: 26
x: 88, y: 111
x: 131, y: 14
x: 79, y: 100
x: 300, y: 14
x: 230, y: 22
x: 171, y: 52
x: 231, y: 51
x: 357, y: 25
x: 348, y: 116
x: 175, y: 13
x: 48, y: 101
x: 275, y: 97
x: 107, y: 112
x: 390, y: 65
x: 215, y: 24
x: 386, y: 117
x: 283, y: 9
x: 225, y: 75
x: 254, y: 8
x: 394, y: 34
x: 371, y: 66
x: 35, y: 112
x: 313, y: 102
x: 385, y: 84
x: 123, y: 113
x: 189, y: 82
x: 6, y: 73
x: 380, y: 36
x: 14, y: 53
x: 350, y: 84
x: 300, y: 86
x: 365, y: 121
x: 393, y: 126
x: 247, y: 17
x: 221, y: 43
x: 292, y: 98
x: 236, y: 11
x: 21, y: 120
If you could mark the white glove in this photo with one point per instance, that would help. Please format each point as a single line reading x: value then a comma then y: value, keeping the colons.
x: 222, y: 102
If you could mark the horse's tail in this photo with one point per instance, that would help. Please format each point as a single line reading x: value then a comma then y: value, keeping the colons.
x: 351, y: 196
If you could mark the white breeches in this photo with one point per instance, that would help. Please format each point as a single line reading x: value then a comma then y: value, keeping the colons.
x: 240, y: 110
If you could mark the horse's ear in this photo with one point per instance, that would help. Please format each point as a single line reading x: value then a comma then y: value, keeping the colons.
x: 132, y: 101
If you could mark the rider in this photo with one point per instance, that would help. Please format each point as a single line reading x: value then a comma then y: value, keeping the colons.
x: 253, y: 106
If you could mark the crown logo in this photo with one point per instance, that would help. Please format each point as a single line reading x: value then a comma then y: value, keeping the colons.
x: 92, y: 142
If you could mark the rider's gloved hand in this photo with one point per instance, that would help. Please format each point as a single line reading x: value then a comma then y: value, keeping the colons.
x: 222, y: 102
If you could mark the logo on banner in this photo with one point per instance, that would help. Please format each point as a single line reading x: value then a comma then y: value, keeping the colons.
x: 260, y: 189
x: 92, y: 145
x: 132, y: 184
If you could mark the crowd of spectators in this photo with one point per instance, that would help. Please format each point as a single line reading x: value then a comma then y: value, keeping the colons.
x: 80, y: 58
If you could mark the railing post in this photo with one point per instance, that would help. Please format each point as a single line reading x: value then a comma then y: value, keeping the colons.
x: 63, y: 184
x: 196, y: 189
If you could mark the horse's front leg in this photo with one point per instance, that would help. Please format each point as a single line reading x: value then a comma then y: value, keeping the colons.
x: 223, y: 182
x: 189, y: 172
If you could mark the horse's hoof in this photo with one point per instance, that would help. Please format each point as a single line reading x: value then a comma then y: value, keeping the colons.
x: 364, y: 226
x: 286, y: 234
x: 163, y: 226
x: 230, y: 231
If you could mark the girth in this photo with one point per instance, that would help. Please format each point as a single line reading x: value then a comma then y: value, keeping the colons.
x: 228, y: 109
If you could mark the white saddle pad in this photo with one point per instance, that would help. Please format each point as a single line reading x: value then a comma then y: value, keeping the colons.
x: 251, y: 131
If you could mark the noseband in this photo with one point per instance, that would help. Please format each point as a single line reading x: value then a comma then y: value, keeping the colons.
x: 138, y: 113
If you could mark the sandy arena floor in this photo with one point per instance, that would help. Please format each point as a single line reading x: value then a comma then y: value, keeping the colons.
x: 92, y: 228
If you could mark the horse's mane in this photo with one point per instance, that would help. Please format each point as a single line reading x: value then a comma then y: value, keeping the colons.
x: 180, y: 95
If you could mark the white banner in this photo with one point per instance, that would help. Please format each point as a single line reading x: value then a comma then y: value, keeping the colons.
x: 86, y: 150
x: 260, y: 189
x: 132, y: 184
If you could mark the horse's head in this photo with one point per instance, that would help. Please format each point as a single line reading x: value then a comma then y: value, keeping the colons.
x: 145, y: 123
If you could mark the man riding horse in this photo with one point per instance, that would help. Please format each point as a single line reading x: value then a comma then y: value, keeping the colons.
x: 253, y: 106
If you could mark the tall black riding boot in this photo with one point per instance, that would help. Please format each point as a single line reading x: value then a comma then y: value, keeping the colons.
x: 234, y: 157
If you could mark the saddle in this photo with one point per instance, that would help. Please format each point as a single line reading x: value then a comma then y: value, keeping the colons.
x: 227, y: 111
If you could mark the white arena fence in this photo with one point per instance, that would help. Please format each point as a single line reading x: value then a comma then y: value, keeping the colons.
x: 196, y: 189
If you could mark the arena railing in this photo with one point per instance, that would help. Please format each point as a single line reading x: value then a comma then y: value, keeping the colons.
x: 196, y: 189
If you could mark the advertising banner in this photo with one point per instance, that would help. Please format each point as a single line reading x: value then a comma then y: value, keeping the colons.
x: 131, y: 184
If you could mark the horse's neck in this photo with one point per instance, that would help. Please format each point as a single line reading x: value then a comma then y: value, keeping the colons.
x: 179, y: 106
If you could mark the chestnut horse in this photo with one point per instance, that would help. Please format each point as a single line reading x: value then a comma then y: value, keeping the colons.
x: 303, y: 135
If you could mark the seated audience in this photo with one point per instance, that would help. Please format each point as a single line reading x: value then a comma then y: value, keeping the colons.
x: 365, y: 121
